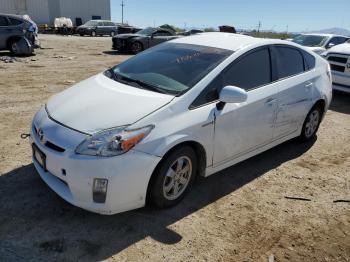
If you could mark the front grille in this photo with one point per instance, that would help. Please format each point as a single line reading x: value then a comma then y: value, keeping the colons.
x: 48, y: 143
x: 118, y: 43
x: 54, y: 147
x: 337, y: 68
x: 338, y: 59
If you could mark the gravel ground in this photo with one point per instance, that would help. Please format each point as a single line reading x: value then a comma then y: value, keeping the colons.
x: 239, y: 214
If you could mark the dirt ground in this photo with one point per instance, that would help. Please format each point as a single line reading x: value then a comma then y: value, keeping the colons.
x: 239, y: 214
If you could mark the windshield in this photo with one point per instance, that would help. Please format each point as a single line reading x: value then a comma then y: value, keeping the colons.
x: 146, y: 31
x: 91, y: 23
x: 171, y: 68
x: 310, y: 40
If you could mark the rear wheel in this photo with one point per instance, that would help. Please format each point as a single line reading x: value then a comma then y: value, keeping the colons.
x: 173, y: 178
x: 136, y: 47
x: 112, y: 33
x: 311, y: 124
x: 93, y: 33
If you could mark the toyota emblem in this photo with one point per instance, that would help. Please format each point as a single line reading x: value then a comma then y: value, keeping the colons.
x: 41, y: 135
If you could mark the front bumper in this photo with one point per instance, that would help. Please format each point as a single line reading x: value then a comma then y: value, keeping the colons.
x: 84, y: 31
x: 120, y: 44
x: 341, y: 81
x: 128, y: 174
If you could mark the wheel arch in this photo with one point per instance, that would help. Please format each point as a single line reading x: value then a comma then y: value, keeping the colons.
x: 199, y: 151
x: 321, y: 103
x: 11, y: 39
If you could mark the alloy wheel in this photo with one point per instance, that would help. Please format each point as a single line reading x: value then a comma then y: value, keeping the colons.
x: 14, y: 48
x: 177, y: 178
x: 136, y: 47
x: 312, y: 123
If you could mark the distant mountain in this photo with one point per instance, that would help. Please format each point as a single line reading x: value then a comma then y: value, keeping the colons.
x: 334, y: 30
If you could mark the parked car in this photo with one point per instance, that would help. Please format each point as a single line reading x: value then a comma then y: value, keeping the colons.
x: 127, y: 29
x: 142, y: 40
x: 18, y: 34
x: 319, y: 42
x: 339, y: 60
x: 143, y: 130
x: 227, y: 29
x: 191, y: 32
x: 98, y: 27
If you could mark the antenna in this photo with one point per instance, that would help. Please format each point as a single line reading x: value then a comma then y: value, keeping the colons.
x: 122, y: 5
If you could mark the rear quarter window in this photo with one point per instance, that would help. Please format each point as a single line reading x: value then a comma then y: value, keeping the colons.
x: 310, y: 61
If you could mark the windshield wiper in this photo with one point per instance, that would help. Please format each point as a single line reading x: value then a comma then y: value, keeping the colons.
x: 140, y: 83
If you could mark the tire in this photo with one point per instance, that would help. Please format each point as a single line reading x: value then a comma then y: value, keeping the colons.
x: 81, y: 34
x: 136, y: 47
x: 112, y: 33
x: 170, y: 182
x: 13, y: 47
x: 93, y: 33
x: 311, y: 124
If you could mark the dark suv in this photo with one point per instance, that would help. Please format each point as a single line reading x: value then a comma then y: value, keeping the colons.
x: 98, y: 27
x: 18, y: 34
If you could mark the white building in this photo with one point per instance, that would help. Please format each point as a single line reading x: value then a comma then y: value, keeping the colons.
x: 45, y: 11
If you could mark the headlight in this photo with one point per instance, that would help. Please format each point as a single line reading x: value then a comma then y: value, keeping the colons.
x: 112, y: 142
x: 324, y: 54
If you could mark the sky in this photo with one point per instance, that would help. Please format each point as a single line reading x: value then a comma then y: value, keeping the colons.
x: 278, y: 15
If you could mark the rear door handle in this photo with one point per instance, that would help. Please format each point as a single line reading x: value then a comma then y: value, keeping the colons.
x: 270, y: 101
x: 309, y: 84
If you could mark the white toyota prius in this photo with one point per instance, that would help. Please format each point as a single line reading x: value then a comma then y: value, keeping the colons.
x: 143, y: 130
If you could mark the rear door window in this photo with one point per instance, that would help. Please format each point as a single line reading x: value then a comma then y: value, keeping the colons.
x: 289, y: 61
x: 3, y: 21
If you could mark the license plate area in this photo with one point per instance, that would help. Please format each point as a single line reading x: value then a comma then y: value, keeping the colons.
x: 39, y: 156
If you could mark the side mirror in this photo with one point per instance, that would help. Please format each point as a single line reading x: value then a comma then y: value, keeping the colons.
x: 330, y: 45
x: 233, y: 94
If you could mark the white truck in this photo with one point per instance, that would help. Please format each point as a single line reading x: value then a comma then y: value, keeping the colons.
x: 339, y: 60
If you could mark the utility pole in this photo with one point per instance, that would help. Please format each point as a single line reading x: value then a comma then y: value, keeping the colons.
x: 122, y: 5
x: 259, y: 26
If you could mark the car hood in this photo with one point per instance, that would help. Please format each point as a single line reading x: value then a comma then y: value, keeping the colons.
x: 316, y: 49
x: 126, y: 36
x: 342, y: 48
x: 100, y: 103
x: 84, y: 26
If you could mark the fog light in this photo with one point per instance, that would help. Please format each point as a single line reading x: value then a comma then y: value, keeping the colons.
x: 99, y: 190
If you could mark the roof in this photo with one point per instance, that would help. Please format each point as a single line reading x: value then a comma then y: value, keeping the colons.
x: 12, y: 15
x: 326, y: 35
x: 224, y: 40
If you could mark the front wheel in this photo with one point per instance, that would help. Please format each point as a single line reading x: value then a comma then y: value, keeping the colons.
x: 112, y: 33
x: 311, y: 124
x: 136, y: 47
x: 14, y: 47
x: 173, y: 177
